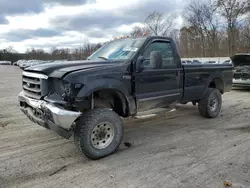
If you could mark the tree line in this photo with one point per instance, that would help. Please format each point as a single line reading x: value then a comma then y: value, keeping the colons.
x: 9, y: 54
x: 211, y: 28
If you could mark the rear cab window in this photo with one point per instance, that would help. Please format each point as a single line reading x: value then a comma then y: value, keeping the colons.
x: 166, y: 50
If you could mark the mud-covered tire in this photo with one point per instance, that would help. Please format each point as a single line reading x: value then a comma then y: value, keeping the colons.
x: 206, y: 107
x: 87, y: 124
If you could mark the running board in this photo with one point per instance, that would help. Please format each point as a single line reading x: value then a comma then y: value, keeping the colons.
x: 153, y: 113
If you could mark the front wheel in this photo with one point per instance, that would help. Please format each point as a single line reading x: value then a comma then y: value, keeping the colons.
x: 210, y: 105
x: 98, y: 133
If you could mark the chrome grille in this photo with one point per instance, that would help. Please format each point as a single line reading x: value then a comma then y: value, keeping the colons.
x: 32, y: 84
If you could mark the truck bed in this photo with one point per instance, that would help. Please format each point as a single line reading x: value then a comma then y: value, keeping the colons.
x: 196, y: 78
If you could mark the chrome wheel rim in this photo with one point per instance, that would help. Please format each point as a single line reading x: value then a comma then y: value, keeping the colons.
x: 213, y: 103
x: 102, y: 135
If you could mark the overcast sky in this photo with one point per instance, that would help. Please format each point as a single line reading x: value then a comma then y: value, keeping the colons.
x: 69, y: 23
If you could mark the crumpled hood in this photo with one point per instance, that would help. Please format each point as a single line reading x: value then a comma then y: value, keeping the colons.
x: 241, y: 60
x: 60, y: 68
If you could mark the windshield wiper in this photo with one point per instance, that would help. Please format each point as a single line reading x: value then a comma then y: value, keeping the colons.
x: 104, y: 58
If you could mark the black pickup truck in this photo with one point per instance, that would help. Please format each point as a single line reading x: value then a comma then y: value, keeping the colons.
x: 123, y: 78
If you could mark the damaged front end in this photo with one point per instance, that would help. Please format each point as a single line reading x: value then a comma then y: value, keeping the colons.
x: 47, y: 102
x: 48, y: 115
x: 63, y: 93
x: 241, y: 64
x: 242, y: 72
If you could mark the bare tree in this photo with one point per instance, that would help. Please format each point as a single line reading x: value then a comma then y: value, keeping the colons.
x: 140, y: 31
x: 76, y: 54
x: 84, y: 51
x: 11, y: 49
x: 232, y: 11
x: 246, y: 30
x: 175, y: 35
x: 245, y: 35
x: 202, y: 17
x: 159, y: 24
x: 211, y: 25
x: 191, y: 42
x: 195, y: 18
x: 184, y: 43
x: 88, y: 49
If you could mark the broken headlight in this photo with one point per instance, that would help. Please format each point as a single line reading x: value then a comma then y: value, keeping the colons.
x: 70, y: 90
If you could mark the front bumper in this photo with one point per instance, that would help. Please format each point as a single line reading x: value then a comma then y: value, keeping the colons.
x: 48, y: 115
x: 241, y: 83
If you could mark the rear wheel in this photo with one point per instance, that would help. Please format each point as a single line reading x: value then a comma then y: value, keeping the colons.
x: 210, y: 105
x: 98, y: 133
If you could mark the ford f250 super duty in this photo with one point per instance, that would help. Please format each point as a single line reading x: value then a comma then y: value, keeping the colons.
x: 124, y: 77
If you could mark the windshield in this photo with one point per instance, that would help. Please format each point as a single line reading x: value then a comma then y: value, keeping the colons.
x: 122, y: 49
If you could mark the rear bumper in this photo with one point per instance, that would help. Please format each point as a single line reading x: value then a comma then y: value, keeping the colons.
x: 48, y: 115
x: 241, y: 83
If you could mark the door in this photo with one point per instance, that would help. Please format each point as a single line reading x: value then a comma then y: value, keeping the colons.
x: 158, y: 87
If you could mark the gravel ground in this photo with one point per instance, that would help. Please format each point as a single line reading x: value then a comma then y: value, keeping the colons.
x: 179, y: 150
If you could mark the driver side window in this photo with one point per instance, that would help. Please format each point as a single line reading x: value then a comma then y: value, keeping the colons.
x: 165, y: 50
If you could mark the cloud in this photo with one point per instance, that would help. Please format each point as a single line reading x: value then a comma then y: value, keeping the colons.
x: 112, y: 20
x: 10, y: 7
x: 108, y: 18
x: 108, y: 33
x: 48, y: 22
x: 68, y: 2
x: 20, y: 7
x: 81, y: 22
x: 3, y: 20
x: 14, y: 7
x: 96, y: 33
x: 23, y: 34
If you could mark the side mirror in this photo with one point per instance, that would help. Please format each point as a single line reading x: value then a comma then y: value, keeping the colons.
x: 139, y: 63
x: 156, y: 59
